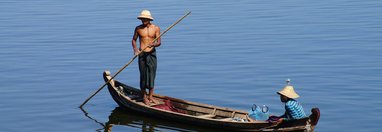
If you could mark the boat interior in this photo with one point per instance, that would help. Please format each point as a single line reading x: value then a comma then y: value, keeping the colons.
x: 185, y: 107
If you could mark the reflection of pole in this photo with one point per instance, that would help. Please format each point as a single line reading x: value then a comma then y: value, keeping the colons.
x: 147, y: 127
x: 87, y: 115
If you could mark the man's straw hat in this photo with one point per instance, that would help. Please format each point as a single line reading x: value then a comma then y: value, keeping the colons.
x: 145, y: 14
x: 288, y: 91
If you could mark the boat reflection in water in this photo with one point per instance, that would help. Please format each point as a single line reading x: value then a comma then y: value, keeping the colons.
x: 121, y: 117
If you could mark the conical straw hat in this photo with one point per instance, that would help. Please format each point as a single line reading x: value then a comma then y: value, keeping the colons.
x: 145, y: 14
x: 289, y: 92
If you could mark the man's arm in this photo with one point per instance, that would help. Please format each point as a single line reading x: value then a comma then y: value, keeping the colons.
x: 134, y: 42
x: 157, y: 43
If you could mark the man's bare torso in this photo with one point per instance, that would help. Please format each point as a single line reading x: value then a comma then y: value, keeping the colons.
x: 146, y: 35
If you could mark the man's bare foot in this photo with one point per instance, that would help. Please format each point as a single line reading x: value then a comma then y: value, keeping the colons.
x: 153, y: 101
x: 146, y: 101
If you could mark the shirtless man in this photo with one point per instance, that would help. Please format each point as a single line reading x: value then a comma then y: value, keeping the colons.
x: 146, y: 32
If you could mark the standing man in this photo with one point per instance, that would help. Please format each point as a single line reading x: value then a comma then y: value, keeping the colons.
x: 146, y: 32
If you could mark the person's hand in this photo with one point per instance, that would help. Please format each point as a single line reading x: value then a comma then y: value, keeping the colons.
x: 151, y: 45
x: 280, y: 120
x: 275, y: 119
x: 136, y: 52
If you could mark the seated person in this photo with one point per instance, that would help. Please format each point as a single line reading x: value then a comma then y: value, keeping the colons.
x: 293, y: 109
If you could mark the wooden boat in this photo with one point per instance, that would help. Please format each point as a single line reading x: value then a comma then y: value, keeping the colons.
x: 206, y: 115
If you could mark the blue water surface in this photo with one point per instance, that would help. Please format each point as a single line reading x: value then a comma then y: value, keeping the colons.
x: 226, y: 53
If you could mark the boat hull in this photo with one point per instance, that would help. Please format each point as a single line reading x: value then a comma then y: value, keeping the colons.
x: 206, y: 115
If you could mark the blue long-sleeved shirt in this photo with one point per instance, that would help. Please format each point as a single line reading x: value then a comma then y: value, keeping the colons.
x: 293, y: 110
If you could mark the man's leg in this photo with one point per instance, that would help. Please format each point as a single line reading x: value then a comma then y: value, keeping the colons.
x: 144, y: 96
x: 142, y: 71
x: 151, y: 98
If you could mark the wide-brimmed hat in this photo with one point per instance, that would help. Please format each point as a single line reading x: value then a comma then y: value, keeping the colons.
x: 289, y: 92
x: 145, y: 14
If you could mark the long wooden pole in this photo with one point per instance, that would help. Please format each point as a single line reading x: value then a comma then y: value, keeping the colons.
x: 135, y: 56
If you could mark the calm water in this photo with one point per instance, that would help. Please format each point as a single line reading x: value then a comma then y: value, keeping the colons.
x: 226, y: 53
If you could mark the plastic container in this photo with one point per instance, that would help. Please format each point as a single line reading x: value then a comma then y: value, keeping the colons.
x: 260, y: 113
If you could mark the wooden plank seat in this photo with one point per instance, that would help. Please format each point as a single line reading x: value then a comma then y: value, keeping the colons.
x: 206, y: 116
x: 159, y: 103
x: 226, y: 119
x: 140, y: 101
